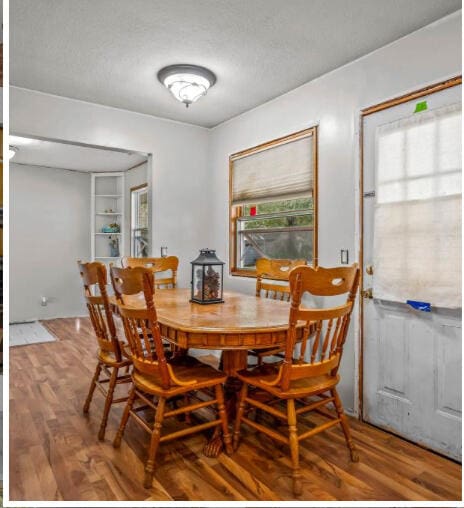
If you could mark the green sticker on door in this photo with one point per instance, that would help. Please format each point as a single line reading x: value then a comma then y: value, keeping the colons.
x: 420, y: 106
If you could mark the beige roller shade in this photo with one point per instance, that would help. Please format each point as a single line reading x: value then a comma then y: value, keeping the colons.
x: 284, y: 171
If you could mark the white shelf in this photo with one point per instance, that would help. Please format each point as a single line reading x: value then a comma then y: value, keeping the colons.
x: 107, y: 193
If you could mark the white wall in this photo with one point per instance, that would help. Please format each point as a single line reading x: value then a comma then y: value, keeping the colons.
x: 132, y: 178
x: 49, y: 232
x: 179, y: 164
x: 334, y: 101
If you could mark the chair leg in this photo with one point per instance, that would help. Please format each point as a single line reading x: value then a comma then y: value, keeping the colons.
x: 223, y: 416
x: 188, y: 417
x: 221, y: 363
x: 125, y: 417
x: 241, y: 410
x: 93, y: 384
x: 345, y: 426
x: 154, y: 442
x: 294, y: 452
x: 108, y: 402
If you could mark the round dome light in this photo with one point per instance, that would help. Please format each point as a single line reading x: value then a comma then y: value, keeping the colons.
x: 187, y: 83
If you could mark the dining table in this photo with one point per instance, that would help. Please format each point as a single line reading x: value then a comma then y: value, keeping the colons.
x: 241, y: 323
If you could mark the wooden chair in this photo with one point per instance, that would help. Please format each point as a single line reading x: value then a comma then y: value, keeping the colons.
x: 156, y: 380
x: 272, y: 282
x: 109, y: 356
x: 298, y: 381
x: 156, y: 265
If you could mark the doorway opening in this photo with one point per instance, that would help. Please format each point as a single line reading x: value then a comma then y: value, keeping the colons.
x: 69, y: 201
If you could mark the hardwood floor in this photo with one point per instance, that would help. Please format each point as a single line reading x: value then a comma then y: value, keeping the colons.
x: 55, y: 453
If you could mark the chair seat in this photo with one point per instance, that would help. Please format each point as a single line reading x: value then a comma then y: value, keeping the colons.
x: 108, y: 359
x: 185, y: 369
x: 298, y: 387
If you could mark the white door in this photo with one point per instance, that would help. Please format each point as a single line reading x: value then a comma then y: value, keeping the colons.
x: 412, y: 358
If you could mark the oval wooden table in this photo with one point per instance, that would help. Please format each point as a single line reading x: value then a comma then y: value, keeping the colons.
x: 241, y: 323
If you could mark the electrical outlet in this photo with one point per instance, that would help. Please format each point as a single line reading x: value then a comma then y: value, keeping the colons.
x: 344, y: 256
x: 43, y: 301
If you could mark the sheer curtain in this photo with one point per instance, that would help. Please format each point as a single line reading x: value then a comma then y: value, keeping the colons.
x: 417, y: 232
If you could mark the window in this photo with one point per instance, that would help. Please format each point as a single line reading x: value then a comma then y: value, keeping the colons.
x: 139, y: 221
x: 273, y: 205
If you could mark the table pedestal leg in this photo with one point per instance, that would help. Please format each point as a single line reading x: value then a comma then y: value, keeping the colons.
x: 232, y: 361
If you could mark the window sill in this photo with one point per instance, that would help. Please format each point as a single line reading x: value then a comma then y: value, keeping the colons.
x: 251, y: 274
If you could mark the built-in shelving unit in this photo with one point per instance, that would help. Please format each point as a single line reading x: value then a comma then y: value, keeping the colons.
x: 107, y: 207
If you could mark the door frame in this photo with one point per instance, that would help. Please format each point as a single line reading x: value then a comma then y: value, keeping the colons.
x: 436, y: 87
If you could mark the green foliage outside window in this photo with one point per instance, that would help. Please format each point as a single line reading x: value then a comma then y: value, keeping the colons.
x: 259, y: 237
x: 303, y: 204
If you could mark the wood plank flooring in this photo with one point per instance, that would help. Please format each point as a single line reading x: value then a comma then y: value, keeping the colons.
x: 55, y: 454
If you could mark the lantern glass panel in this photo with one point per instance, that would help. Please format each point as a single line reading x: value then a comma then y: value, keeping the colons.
x: 198, y: 282
x: 212, y: 283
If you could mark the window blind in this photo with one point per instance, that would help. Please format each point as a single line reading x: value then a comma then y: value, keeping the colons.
x: 284, y: 171
x: 417, y: 218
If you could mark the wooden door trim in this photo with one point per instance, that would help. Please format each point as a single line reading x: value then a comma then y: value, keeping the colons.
x: 437, y: 87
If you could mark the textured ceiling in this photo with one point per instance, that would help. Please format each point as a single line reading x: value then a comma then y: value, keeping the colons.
x: 109, y: 51
x: 65, y: 156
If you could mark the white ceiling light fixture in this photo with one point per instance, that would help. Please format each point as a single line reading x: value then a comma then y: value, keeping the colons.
x: 12, y: 151
x: 187, y: 82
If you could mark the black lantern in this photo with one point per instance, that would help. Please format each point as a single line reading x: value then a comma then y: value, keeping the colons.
x: 207, y: 275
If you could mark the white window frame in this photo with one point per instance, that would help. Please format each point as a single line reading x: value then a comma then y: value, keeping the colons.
x: 135, y: 194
